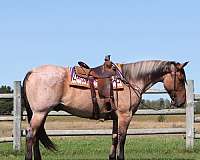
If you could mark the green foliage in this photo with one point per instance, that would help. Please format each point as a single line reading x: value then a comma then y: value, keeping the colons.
x: 6, y: 105
x: 197, y: 107
x: 5, y: 89
x: 155, y: 104
x: 161, y: 118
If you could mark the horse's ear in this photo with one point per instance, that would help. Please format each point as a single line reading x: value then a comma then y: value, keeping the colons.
x: 167, y: 69
x: 183, y: 65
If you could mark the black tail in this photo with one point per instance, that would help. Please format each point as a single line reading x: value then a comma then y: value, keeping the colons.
x: 41, y: 133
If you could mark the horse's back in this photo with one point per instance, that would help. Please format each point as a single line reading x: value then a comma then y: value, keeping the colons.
x: 48, y: 68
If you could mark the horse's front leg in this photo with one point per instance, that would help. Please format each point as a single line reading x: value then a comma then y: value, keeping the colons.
x: 112, y: 155
x: 123, y: 123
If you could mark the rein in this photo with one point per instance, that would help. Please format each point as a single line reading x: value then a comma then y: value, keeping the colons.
x: 138, y: 91
x: 134, y: 87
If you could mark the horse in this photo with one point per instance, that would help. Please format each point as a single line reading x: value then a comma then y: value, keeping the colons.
x: 48, y: 88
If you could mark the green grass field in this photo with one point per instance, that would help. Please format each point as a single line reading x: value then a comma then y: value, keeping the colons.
x: 97, y: 148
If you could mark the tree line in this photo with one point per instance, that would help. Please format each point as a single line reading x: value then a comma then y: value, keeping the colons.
x: 6, y: 105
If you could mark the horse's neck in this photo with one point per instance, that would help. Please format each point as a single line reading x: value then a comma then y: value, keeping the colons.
x: 145, y: 83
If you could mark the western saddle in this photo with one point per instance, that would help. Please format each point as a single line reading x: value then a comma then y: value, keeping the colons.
x: 103, y: 75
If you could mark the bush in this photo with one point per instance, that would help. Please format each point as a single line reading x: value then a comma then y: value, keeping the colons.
x: 6, y: 105
x: 161, y: 118
x: 197, y: 107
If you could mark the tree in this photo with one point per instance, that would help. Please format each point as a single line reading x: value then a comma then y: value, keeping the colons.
x: 154, y: 104
x: 6, y: 105
x: 5, y: 89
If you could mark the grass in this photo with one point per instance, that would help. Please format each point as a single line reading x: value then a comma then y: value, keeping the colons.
x: 97, y: 148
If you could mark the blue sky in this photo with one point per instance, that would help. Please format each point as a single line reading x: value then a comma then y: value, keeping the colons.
x: 62, y: 32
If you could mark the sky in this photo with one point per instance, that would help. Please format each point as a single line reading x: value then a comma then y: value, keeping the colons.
x: 62, y: 32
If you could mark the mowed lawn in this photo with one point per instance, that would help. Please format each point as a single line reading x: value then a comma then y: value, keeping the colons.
x: 97, y: 148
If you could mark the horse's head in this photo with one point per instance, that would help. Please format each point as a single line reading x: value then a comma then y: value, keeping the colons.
x: 174, y: 82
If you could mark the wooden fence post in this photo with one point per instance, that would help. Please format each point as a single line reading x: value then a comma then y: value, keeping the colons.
x: 17, y: 116
x: 190, y: 115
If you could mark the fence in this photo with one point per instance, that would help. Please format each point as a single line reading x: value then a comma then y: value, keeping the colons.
x: 16, y: 134
x: 189, y: 131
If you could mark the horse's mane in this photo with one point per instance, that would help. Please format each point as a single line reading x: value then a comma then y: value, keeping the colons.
x: 143, y: 69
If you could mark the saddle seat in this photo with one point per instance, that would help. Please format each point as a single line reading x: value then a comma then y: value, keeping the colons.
x: 100, y: 72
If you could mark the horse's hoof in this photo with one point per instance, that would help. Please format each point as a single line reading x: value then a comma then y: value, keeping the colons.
x: 28, y: 158
x: 112, y: 157
x: 118, y: 158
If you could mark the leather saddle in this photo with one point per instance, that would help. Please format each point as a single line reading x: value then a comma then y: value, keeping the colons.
x: 103, y: 75
x: 104, y: 71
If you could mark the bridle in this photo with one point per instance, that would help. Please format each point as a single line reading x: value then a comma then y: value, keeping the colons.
x: 173, y: 92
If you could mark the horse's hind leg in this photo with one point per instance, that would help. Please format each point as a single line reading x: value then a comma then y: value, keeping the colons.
x: 112, y: 155
x: 29, y: 143
x: 32, y: 142
x: 36, y: 149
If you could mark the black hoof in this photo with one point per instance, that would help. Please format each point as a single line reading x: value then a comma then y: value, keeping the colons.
x: 118, y: 158
x: 112, y: 157
x: 28, y: 158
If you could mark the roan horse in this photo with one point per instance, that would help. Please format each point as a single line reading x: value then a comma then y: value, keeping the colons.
x: 48, y: 87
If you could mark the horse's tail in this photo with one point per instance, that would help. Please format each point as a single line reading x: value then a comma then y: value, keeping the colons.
x: 26, y: 103
x: 41, y: 133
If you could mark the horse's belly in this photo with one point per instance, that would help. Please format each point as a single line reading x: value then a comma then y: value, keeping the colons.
x: 78, y: 102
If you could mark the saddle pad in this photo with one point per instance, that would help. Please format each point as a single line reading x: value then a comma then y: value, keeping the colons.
x: 77, y: 81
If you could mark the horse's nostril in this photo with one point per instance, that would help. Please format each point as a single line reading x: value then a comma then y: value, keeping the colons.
x: 173, y: 103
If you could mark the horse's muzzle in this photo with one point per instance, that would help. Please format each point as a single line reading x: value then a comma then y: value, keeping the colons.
x: 175, y: 104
